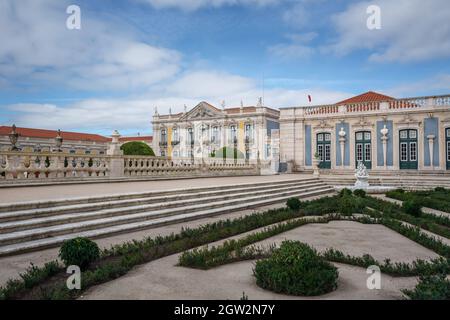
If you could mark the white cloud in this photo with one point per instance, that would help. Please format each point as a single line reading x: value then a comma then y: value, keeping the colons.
x: 191, y: 5
x: 209, y: 84
x: 37, y: 46
x: 295, y: 48
x: 437, y: 83
x: 105, y: 115
x: 412, y: 30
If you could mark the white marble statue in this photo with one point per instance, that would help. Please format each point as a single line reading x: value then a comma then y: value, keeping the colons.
x: 362, y: 177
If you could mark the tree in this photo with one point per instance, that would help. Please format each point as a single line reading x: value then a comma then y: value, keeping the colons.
x: 137, y: 148
x: 228, y: 153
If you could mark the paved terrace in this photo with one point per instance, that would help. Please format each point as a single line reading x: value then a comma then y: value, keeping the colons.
x: 57, y: 192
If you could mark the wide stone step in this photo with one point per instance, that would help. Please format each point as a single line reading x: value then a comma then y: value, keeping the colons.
x: 8, y: 207
x: 44, y: 232
x: 184, y: 194
x: 37, y: 244
x: 46, y: 221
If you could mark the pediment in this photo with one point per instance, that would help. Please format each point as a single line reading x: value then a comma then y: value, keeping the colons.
x: 202, y: 111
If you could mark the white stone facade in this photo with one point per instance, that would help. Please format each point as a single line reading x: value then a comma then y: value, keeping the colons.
x: 385, y: 133
x: 205, y: 130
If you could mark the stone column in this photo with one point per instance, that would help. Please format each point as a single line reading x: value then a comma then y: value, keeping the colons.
x: 116, y: 164
x: 431, y: 138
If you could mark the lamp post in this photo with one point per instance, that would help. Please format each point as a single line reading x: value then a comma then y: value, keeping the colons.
x: 13, y: 138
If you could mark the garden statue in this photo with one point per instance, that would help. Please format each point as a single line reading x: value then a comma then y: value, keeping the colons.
x: 362, y: 177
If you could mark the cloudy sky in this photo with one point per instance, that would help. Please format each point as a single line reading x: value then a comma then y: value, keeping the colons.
x: 132, y: 56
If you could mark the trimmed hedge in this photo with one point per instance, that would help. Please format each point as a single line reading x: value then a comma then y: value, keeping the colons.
x: 294, y: 204
x: 137, y: 148
x: 80, y: 252
x: 434, y: 287
x: 296, y: 269
x: 228, y: 153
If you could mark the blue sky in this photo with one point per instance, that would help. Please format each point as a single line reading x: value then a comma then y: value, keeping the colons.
x: 132, y: 56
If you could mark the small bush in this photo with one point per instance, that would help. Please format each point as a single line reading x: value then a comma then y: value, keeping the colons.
x: 399, y: 190
x: 360, y: 193
x: 346, y: 205
x: 435, y: 287
x: 412, y: 207
x: 79, y: 251
x: 296, y: 269
x: 440, y: 189
x: 293, y: 204
x: 137, y: 148
x: 345, y: 192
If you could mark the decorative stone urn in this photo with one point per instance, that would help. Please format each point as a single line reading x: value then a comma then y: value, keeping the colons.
x: 316, y: 163
x: 13, y: 138
x: 362, y: 177
x: 59, y: 141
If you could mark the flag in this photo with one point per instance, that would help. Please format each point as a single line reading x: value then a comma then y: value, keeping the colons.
x: 309, y: 98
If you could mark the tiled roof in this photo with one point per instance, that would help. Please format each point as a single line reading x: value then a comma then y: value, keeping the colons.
x: 138, y: 138
x: 366, y: 97
x: 51, y: 134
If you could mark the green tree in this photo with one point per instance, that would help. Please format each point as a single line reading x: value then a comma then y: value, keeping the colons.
x: 137, y: 148
x: 228, y: 153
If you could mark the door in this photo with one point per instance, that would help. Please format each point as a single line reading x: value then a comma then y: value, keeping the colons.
x: 447, y: 143
x: 363, y: 147
x: 408, y: 149
x: 324, y: 150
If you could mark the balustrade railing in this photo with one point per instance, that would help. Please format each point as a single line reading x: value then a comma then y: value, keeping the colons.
x: 23, y: 166
x: 16, y: 165
x: 396, y: 104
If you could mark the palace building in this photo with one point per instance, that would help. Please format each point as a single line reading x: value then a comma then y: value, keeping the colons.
x: 383, y: 132
x: 205, y: 130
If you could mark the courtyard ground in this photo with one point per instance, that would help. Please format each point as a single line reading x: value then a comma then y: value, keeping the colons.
x: 162, y: 279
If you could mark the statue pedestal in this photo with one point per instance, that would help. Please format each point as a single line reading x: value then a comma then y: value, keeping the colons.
x: 362, y: 182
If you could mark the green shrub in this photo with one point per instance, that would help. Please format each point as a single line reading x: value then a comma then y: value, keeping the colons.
x: 79, y: 251
x: 137, y: 148
x: 227, y: 153
x: 346, y: 205
x: 399, y: 190
x: 412, y: 207
x: 296, y: 269
x: 345, y: 192
x: 434, y: 287
x: 360, y: 193
x: 293, y: 204
x: 440, y: 189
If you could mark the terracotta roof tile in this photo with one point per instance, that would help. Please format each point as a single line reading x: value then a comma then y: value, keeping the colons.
x: 366, y: 97
x: 51, y: 134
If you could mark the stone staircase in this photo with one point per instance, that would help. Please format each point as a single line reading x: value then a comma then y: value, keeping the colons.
x: 36, y: 225
x: 408, y: 181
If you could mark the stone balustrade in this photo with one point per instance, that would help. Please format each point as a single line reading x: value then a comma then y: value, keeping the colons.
x: 61, y: 166
x: 432, y: 102
x: 23, y: 166
x: 157, y: 166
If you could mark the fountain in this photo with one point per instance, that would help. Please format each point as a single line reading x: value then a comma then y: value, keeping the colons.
x: 362, y: 182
